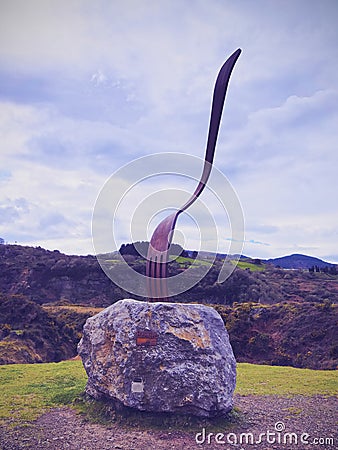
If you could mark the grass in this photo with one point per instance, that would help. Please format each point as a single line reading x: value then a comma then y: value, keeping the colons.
x: 253, y: 379
x: 28, y: 390
x: 182, y: 261
x: 253, y: 267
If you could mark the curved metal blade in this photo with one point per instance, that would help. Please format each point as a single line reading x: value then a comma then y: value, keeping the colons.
x: 157, y: 258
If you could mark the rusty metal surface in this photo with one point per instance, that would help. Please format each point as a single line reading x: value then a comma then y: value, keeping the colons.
x: 158, y: 252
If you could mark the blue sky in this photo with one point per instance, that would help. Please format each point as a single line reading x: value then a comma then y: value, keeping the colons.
x: 87, y: 87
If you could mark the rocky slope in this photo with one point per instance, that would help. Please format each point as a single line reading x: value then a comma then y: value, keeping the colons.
x: 44, y: 276
x: 273, y: 316
x: 51, y: 277
x: 28, y: 334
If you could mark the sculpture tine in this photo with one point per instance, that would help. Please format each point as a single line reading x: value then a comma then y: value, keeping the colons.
x: 158, y: 251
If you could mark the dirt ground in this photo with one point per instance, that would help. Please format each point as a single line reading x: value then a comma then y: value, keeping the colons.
x: 266, y: 421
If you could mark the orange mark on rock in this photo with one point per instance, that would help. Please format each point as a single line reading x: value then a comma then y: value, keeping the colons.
x: 199, y: 337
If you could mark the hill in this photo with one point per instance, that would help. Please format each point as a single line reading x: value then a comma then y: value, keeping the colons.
x: 28, y: 334
x: 298, y: 261
x: 44, y: 277
x: 285, y: 334
x: 273, y: 315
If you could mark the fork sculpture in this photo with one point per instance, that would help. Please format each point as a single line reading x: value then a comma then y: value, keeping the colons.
x: 158, y: 251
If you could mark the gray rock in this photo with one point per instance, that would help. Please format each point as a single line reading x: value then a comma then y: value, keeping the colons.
x: 160, y: 357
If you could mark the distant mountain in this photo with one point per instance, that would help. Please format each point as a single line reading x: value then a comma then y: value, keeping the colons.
x: 298, y: 261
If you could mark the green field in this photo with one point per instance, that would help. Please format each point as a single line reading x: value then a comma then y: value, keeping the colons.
x: 28, y: 390
x: 183, y: 261
x: 253, y: 267
x: 254, y: 379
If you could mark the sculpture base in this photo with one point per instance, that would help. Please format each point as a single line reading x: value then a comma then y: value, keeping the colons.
x: 160, y: 357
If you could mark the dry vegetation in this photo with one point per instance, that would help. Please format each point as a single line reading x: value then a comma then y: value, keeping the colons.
x: 274, y: 316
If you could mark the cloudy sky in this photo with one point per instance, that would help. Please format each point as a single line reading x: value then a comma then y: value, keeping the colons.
x: 88, y: 87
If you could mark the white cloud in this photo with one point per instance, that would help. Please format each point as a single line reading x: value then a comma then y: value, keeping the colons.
x: 89, y: 86
x: 285, y: 174
x: 99, y: 78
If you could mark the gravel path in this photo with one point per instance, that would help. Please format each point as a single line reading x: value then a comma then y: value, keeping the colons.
x: 63, y: 428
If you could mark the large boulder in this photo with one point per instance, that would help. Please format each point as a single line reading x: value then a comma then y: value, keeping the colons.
x: 160, y: 357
